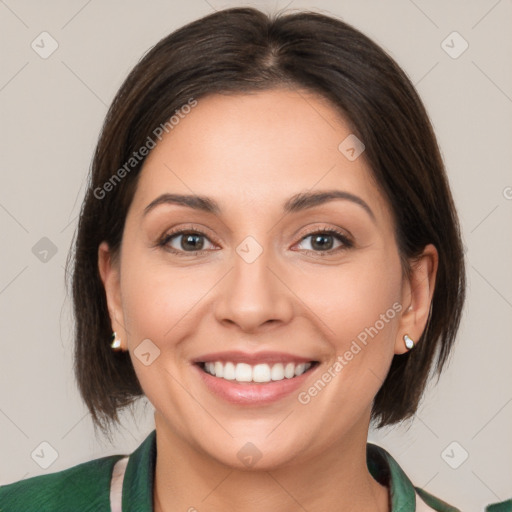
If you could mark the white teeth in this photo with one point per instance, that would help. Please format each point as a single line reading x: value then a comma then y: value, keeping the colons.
x: 299, y: 369
x: 261, y: 373
x: 219, y: 369
x: 277, y: 372
x: 229, y: 371
x: 289, y: 371
x: 243, y: 372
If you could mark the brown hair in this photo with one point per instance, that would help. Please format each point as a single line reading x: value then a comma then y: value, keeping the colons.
x: 243, y: 50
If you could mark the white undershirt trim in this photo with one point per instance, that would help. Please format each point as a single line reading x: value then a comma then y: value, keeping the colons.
x: 116, y: 485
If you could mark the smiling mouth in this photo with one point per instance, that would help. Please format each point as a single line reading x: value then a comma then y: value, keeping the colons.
x: 259, y: 373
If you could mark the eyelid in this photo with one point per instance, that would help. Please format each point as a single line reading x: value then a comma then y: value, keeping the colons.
x: 328, y: 229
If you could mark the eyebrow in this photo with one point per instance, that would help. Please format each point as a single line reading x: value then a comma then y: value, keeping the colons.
x: 298, y: 202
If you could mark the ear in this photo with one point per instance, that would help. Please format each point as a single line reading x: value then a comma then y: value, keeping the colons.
x: 417, y: 293
x: 110, y: 275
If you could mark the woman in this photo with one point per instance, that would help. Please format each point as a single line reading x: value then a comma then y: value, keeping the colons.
x: 269, y: 251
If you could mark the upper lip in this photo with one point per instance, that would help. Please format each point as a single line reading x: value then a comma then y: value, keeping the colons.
x: 235, y: 356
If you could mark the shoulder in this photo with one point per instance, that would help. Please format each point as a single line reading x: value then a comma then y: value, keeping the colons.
x: 82, y: 487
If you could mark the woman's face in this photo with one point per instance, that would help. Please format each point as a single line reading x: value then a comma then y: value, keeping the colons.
x: 257, y: 281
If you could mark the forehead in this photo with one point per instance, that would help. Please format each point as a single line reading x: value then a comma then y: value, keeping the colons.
x: 256, y: 149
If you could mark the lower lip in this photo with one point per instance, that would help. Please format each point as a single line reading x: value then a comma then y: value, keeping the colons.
x: 248, y: 393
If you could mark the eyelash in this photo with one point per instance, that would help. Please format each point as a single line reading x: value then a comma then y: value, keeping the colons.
x: 165, y: 239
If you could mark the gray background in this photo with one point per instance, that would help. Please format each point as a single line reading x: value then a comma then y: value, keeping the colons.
x: 52, y: 110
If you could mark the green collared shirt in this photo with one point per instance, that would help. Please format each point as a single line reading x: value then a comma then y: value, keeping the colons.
x: 86, y: 487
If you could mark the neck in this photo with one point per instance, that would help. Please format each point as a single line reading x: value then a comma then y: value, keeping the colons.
x: 338, y: 479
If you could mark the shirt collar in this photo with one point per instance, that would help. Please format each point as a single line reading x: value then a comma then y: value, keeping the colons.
x: 386, y: 470
x: 139, y: 477
x: 140, y: 474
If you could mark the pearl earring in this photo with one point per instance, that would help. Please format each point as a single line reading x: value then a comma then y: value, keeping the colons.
x: 116, y: 342
x: 409, y: 343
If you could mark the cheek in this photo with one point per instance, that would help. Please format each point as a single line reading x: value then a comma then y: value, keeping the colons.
x: 158, y: 304
x: 360, y: 296
x: 156, y: 300
x: 362, y: 319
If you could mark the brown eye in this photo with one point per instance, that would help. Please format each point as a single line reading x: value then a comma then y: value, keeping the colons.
x: 324, y: 241
x: 185, y: 241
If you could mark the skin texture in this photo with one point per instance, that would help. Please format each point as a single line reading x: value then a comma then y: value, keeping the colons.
x: 251, y: 152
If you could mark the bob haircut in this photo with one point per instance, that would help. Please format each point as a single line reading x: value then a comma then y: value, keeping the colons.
x: 243, y: 50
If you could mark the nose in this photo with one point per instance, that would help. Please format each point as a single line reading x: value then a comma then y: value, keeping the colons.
x: 254, y: 295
